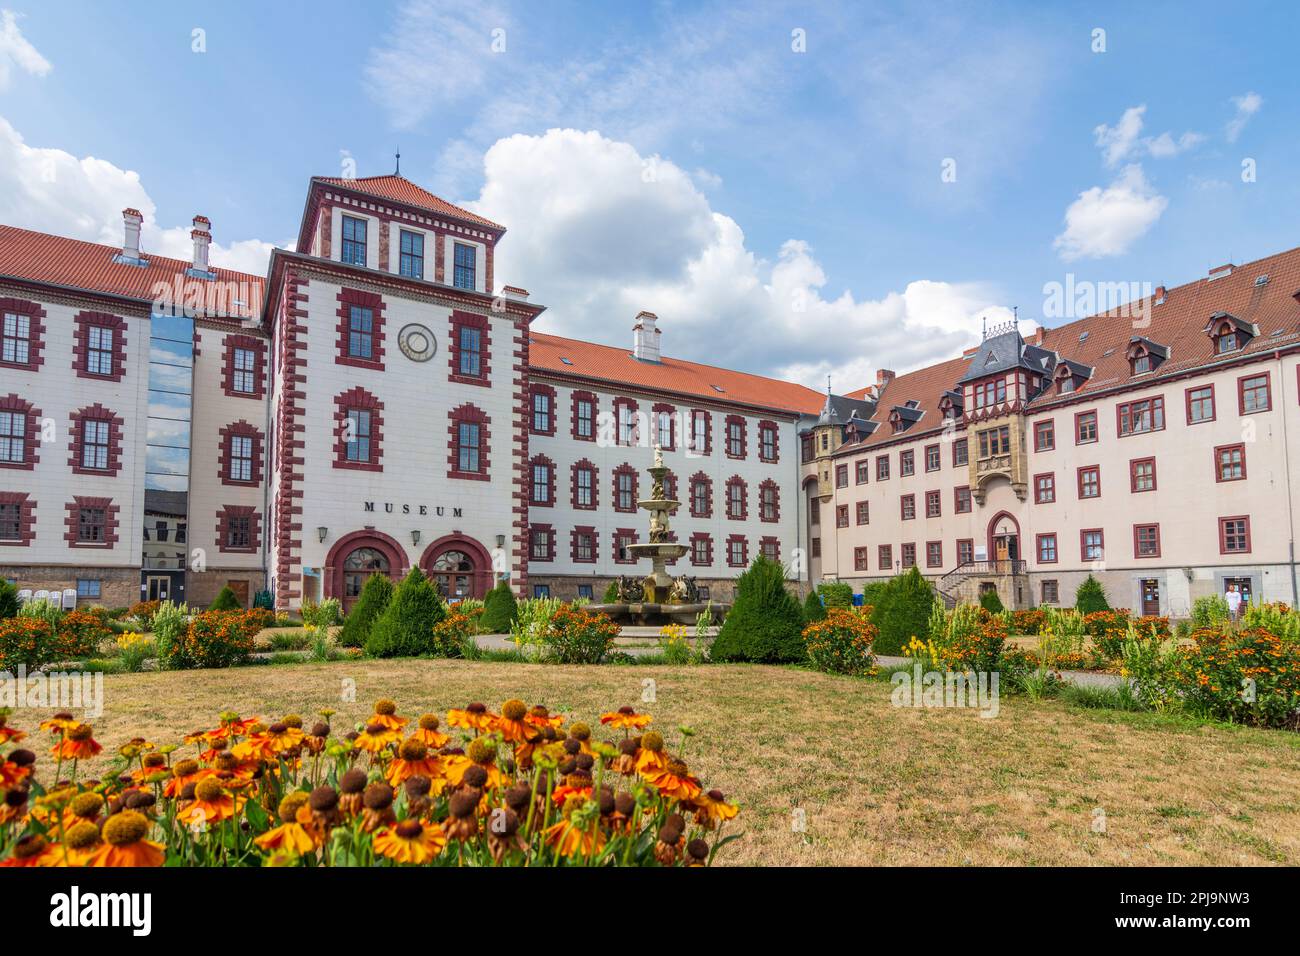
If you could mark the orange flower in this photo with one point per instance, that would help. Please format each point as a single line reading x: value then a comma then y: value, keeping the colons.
x: 125, y: 843
x: 413, y: 760
x: 376, y: 738
x: 674, y: 781
x: 60, y: 723
x: 474, y: 717
x: 211, y: 804
x: 540, y: 717
x: 386, y: 715
x: 427, y: 731
x: 625, y: 718
x: 9, y: 735
x: 77, y: 744
x: 291, y: 836
x: 652, y: 757
x: 33, y: 850
x: 513, y: 726
x: 410, y: 842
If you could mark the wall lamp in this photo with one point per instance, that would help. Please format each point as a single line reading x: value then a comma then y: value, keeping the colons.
x: 415, y: 537
x: 322, y: 533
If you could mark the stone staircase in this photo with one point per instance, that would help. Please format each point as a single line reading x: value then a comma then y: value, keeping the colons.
x: 963, y: 584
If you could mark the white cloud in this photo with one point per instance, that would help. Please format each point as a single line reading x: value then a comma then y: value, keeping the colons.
x: 50, y: 190
x: 17, y: 51
x: 1124, y: 140
x: 1105, y: 222
x: 1247, y: 105
x: 599, y: 232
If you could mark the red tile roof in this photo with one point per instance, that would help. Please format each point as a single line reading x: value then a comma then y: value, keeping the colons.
x: 1178, y: 323
x: 401, y: 190
x: 617, y: 366
x: 73, y: 263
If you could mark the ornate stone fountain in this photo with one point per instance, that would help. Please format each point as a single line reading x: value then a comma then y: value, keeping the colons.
x: 658, y: 598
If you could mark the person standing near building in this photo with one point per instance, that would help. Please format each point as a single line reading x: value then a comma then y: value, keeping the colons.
x: 1233, y: 597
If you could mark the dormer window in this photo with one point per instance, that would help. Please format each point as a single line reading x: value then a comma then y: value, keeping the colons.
x: 354, y: 241
x: 990, y: 393
x: 1229, y: 332
x: 1144, y: 355
x: 1226, y: 342
x: 1070, y: 375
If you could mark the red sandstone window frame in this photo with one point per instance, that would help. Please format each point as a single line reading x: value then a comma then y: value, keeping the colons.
x: 735, y: 560
x: 544, y: 535
x: 31, y: 432
x: 243, y: 513
x: 357, y: 400
x: 769, y: 442
x: 349, y: 299
x: 35, y: 338
x: 25, y: 519
x: 1040, y: 493
x: 1127, y: 415
x: 226, y: 452
x: 841, y: 516
x: 576, y: 538
x: 661, y: 413
x: 542, y: 402
x: 541, y: 494
x: 862, y: 559
x: 737, y: 436
x: 577, y: 400
x: 1133, y: 466
x: 588, y: 468
x: 964, y: 459
x: 701, y: 549
x: 1039, y: 540
x: 737, y: 507
x: 112, y: 427
x: 701, y: 480
x: 1218, y: 461
x: 862, y: 513
x: 108, y: 522
x: 1187, y: 403
x: 702, y: 415
x: 769, y: 546
x: 769, y: 501
x: 458, y: 321
x: 907, y: 555
x: 906, y: 463
x: 1268, y: 393
x: 1081, y: 479
x: 83, y: 348
x: 627, y: 424
x: 841, y: 476
x: 1137, y: 540
x: 882, y: 468
x: 469, y: 414
x: 862, y: 471
x: 1045, y: 435
x: 1223, y: 534
x: 625, y: 470
x: 622, y: 537
x: 961, y: 500
x: 1079, y: 418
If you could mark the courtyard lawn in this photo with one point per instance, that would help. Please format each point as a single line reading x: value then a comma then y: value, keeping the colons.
x: 876, y: 784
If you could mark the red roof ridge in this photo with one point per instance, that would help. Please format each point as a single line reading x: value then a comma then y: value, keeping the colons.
x: 399, y: 189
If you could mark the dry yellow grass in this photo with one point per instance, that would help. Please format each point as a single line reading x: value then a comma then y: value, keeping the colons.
x: 876, y: 784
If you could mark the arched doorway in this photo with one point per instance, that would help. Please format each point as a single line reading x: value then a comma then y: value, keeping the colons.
x: 1004, y: 537
x: 355, y: 557
x: 459, y: 567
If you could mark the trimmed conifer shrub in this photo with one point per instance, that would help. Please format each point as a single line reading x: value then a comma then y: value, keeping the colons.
x: 405, y: 627
x: 8, y: 600
x: 990, y: 601
x: 765, y: 624
x: 611, y: 593
x: 1091, y: 597
x: 500, y: 610
x: 225, y: 601
x: 902, y: 611
x: 836, y: 593
x: 813, y: 609
x: 374, y: 597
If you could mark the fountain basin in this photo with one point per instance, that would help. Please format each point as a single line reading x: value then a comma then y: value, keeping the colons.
x: 657, y: 614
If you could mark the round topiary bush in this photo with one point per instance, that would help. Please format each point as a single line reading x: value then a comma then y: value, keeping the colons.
x: 225, y: 601
x: 374, y: 597
x: 500, y: 610
x: 765, y: 623
x: 1090, y: 597
x: 405, y: 628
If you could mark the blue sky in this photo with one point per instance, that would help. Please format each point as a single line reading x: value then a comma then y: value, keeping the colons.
x: 783, y: 211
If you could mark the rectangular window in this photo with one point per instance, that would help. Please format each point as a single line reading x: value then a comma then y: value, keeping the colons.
x: 354, y: 241
x: 467, y: 447
x: 88, y: 587
x: 860, y: 560
x: 585, y: 591
x: 1142, y: 474
x: 11, y: 521
x: 908, y: 507
x: 582, y: 479
x: 841, y: 516
x: 699, y: 499
x: 932, y: 458
x: 736, y: 552
x: 863, y: 471
x: 1051, y: 592
x: 885, y: 557
x: 960, y: 453
x: 841, y: 476
x: 736, y: 500
x: 909, y: 555
x: 239, y: 533
x: 471, y: 351
x: 882, y: 468
x: 465, y: 264
x: 1044, y: 489
x: 767, y: 443
x: 1254, y: 394
x: 770, y: 548
x: 361, y: 332
x: 541, y: 591
x: 584, y: 422
x: 358, y: 434
x: 965, y: 550
x: 994, y: 442
x: 934, y: 554
x: 244, y: 360
x: 906, y: 463
x: 701, y: 551
x: 541, y: 411
x: 1085, y: 428
x: 94, y: 443
x: 1147, y: 415
x: 241, y: 458
x: 1234, y: 535
x: 541, y: 550
x: 990, y: 393
x: 1092, y: 545
x: 961, y: 499
x: 1230, y: 462
x: 864, y: 512
x: 99, y: 350
x: 621, y: 554
x: 1047, y: 549
x: 625, y: 495
x: 411, y: 261
x: 933, y: 507
x: 699, y: 431
x: 17, y: 336
x: 1044, y: 435
x: 1146, y: 541
x: 736, y: 439
x: 13, y: 437
x: 664, y: 429
x: 541, y: 484
x: 1090, y: 481
x: 1200, y: 404
x: 90, y: 525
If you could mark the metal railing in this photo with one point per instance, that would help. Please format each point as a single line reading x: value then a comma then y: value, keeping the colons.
x: 998, y: 566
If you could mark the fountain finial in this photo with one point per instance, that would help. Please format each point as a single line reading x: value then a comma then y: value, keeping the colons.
x: 659, y: 455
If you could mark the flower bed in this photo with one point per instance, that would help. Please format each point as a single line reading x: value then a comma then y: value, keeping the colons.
x: 841, y: 642
x: 517, y: 789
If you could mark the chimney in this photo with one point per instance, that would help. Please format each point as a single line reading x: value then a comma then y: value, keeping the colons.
x: 1160, y: 295
x: 515, y: 293
x: 1040, y: 333
x: 131, y: 220
x: 202, y: 236
x: 883, y: 377
x: 646, y: 339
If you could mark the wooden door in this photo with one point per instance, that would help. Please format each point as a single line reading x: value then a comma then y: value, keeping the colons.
x: 1150, y: 596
